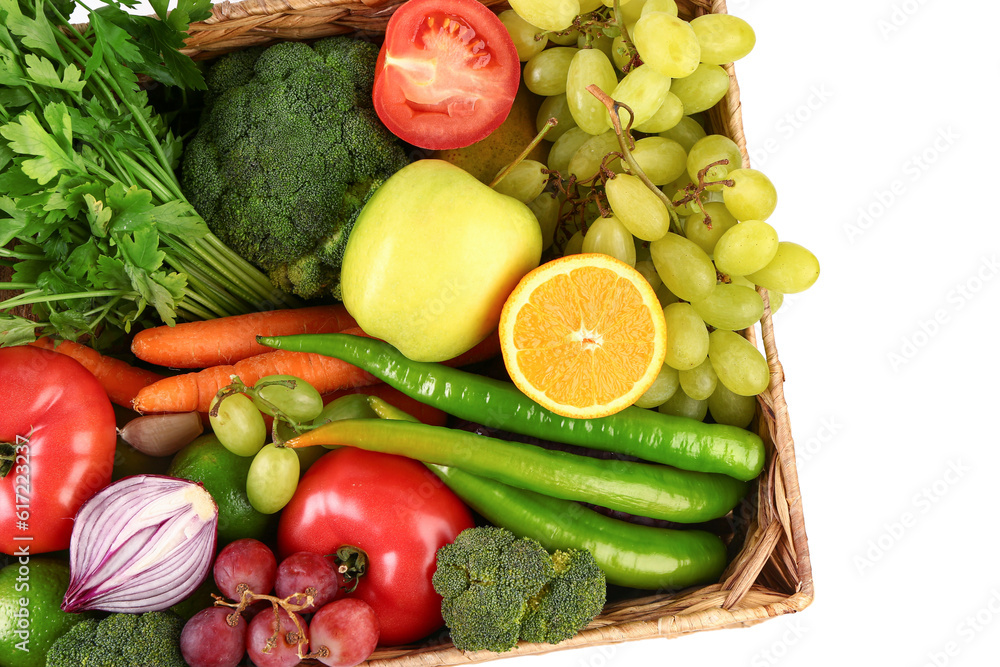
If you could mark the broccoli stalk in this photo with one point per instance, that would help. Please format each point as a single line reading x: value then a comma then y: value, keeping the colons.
x: 121, y: 640
x: 287, y: 152
x: 498, y: 589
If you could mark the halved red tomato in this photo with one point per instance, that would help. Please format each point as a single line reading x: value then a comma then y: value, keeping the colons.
x: 447, y: 74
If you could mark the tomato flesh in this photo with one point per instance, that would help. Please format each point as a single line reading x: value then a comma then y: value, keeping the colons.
x: 447, y: 74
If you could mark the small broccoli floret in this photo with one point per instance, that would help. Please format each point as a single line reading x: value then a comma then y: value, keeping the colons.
x: 287, y: 147
x: 121, y: 640
x: 498, y: 588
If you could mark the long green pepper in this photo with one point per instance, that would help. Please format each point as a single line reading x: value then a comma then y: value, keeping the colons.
x: 646, y: 434
x: 644, y: 489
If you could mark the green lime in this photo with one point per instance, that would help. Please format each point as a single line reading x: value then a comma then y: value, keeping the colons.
x: 30, y: 617
x: 224, y: 475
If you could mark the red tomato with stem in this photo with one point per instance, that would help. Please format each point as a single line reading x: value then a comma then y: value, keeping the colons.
x: 396, y: 511
x: 447, y: 74
x: 57, y: 432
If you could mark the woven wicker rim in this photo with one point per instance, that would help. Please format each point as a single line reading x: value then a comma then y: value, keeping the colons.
x: 771, y: 575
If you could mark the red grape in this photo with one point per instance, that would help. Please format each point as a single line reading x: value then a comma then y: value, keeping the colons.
x: 283, y: 654
x: 208, y: 640
x: 303, y: 570
x: 245, y: 561
x: 348, y: 628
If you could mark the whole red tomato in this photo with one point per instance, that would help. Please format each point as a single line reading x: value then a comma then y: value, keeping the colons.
x: 394, y: 509
x: 58, y: 427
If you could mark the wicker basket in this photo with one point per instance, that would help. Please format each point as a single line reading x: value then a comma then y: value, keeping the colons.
x: 770, y: 572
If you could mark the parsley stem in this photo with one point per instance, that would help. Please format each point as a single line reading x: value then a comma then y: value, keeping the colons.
x: 29, y: 297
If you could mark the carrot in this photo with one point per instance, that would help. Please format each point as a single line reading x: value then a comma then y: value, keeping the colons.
x: 120, y: 380
x: 227, y: 340
x: 194, y: 391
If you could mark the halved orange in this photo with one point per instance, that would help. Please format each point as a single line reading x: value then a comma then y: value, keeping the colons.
x: 583, y: 335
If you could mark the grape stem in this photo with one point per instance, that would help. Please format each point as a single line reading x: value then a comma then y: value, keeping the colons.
x: 549, y: 124
x: 248, y: 597
x: 624, y: 139
x: 694, y: 191
x: 630, y: 50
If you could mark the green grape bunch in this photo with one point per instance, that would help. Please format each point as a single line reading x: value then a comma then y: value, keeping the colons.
x: 635, y: 171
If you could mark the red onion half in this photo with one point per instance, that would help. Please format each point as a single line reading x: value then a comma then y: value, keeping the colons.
x: 142, y: 544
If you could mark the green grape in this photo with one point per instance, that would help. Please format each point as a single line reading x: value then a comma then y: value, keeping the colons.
x: 631, y: 11
x: 683, y: 267
x: 687, y: 131
x: 746, y: 248
x: 732, y: 307
x: 587, y: 6
x: 667, y: 44
x: 709, y: 149
x: 661, y: 390
x: 723, y: 38
x: 602, y: 43
x: 588, y: 157
x: 702, y: 89
x: 664, y: 295
x: 793, y: 269
x: 547, y: 14
x: 739, y: 365
x: 662, y: 160
x: 529, y: 40
x: 682, y: 405
x: 685, y: 209
x: 610, y: 237
x: 575, y: 244
x: 555, y: 107
x: 668, y: 114
x: 729, y: 408
x: 349, y: 406
x: 611, y: 3
x: 640, y: 209
x: 687, y: 336
x: 752, y: 195
x: 545, y: 74
x: 299, y: 403
x: 619, y: 52
x: 775, y: 299
x: 565, y: 37
x: 642, y: 90
x: 525, y: 181
x: 590, y: 67
x: 699, y: 382
x: 699, y: 232
x: 546, y: 209
x: 239, y: 426
x: 668, y: 6
x: 272, y: 478
x: 565, y: 147
x: 648, y: 271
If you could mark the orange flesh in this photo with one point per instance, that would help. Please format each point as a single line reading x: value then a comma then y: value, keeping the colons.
x: 584, y: 338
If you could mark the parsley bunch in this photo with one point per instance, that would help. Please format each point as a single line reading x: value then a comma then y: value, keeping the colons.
x: 92, y: 217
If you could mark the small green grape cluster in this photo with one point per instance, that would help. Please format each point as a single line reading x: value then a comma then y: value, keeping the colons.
x: 673, y: 201
x: 237, y: 417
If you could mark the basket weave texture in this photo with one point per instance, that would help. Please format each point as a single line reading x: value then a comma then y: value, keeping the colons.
x: 769, y: 574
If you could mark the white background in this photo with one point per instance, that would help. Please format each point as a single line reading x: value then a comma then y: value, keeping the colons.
x: 877, y: 122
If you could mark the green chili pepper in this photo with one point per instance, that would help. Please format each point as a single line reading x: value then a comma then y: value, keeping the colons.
x: 646, y: 434
x: 644, y: 489
x: 629, y: 554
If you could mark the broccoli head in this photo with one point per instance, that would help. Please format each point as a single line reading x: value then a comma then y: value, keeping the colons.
x: 498, y: 589
x: 287, y: 152
x: 121, y: 640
